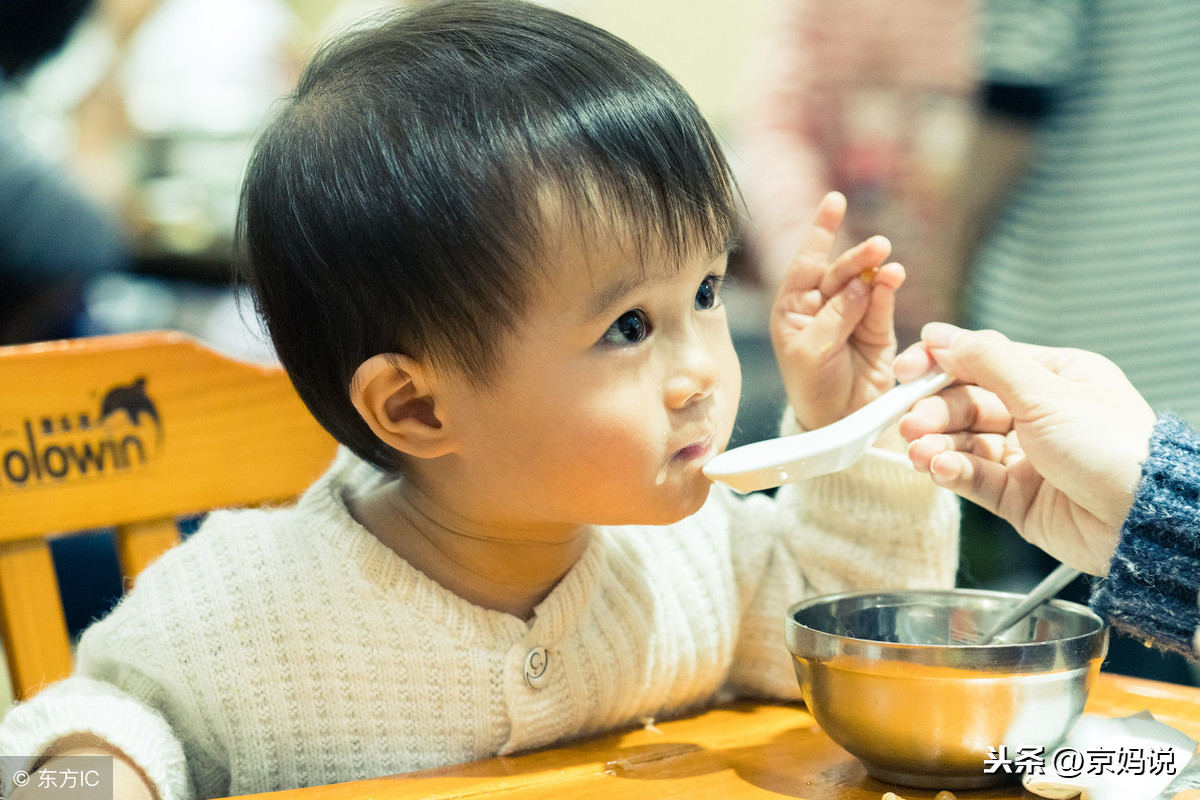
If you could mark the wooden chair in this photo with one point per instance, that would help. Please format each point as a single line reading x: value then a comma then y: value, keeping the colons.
x: 130, y: 431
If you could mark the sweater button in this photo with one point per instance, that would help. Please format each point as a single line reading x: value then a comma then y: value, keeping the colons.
x: 535, y: 667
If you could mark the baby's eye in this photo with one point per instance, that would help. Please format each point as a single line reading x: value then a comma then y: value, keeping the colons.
x: 630, y: 328
x: 708, y: 294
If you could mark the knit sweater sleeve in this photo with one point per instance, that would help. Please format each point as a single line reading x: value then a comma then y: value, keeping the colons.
x: 1152, y: 583
x: 136, y: 680
x: 84, y: 705
x: 878, y: 525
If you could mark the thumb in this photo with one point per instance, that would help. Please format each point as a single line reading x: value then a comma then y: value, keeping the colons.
x: 1011, y: 370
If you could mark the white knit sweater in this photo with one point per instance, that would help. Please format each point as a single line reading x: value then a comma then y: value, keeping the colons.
x: 284, y: 648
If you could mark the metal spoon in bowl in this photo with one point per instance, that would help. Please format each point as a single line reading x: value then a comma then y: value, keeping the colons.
x: 767, y: 464
x: 1051, y: 585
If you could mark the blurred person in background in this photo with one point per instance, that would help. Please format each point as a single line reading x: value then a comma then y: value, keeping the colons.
x: 871, y: 98
x: 152, y: 105
x: 54, y: 236
x: 1080, y: 204
x: 1078, y: 213
x: 199, y: 80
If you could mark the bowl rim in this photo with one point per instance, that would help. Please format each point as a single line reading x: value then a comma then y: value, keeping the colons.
x: 996, y: 647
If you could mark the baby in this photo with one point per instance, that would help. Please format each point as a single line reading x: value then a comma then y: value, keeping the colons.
x: 488, y: 241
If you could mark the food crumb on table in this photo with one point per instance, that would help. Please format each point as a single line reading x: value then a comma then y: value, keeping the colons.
x: 648, y: 724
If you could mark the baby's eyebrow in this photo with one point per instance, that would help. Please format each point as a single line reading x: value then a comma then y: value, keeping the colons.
x: 732, y: 240
x: 605, y: 297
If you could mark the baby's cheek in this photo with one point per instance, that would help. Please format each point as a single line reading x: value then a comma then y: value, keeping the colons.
x: 731, y: 383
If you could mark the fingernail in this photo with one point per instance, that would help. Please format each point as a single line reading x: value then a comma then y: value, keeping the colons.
x: 940, y: 478
x: 940, y: 334
x: 945, y: 469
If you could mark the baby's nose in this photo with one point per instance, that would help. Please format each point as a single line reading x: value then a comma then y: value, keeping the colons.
x: 695, y: 377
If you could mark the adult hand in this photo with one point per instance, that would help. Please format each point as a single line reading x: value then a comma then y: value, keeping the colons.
x: 1050, y: 439
x: 832, y: 321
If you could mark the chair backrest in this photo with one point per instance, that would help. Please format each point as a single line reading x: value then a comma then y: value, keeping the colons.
x: 129, y: 431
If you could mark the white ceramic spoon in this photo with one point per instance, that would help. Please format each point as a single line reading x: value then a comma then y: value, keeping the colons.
x: 770, y: 463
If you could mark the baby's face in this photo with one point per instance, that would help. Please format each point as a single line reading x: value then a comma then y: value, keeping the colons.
x: 619, y: 385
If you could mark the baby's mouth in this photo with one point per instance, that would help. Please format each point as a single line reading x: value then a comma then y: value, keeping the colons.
x: 698, y: 450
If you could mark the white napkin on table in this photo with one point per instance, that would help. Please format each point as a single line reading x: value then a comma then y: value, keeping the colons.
x: 1127, y: 758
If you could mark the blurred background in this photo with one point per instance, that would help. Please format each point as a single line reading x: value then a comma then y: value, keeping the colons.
x: 140, y: 114
x: 125, y: 125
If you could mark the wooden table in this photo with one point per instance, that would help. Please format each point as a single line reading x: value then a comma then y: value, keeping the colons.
x: 735, y: 752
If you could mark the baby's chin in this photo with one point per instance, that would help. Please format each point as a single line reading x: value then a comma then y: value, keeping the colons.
x: 659, y: 504
x: 688, y: 497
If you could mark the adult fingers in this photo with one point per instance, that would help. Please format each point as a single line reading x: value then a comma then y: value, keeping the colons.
x: 976, y: 479
x: 959, y: 408
x: 987, y: 446
x: 1011, y: 370
x: 913, y: 362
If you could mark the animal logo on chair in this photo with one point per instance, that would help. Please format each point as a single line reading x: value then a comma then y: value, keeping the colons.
x: 130, y: 398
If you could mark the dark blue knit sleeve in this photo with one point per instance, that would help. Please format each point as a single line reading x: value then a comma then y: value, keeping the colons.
x: 1151, y: 588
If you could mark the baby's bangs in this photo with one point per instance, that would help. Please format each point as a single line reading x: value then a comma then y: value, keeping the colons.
x: 669, y: 195
x: 655, y: 222
x: 626, y: 148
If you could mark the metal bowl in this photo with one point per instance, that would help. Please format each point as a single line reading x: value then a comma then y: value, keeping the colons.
x: 892, y: 678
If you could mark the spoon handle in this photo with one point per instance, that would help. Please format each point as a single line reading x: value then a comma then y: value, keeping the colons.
x: 1051, y: 585
x: 890, y: 406
x: 897, y: 401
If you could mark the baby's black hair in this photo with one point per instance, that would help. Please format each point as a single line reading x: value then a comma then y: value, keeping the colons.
x: 397, y: 201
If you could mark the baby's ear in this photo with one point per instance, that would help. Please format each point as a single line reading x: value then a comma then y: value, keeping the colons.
x: 396, y: 396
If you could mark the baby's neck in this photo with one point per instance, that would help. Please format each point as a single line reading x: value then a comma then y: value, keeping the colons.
x: 502, y: 569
